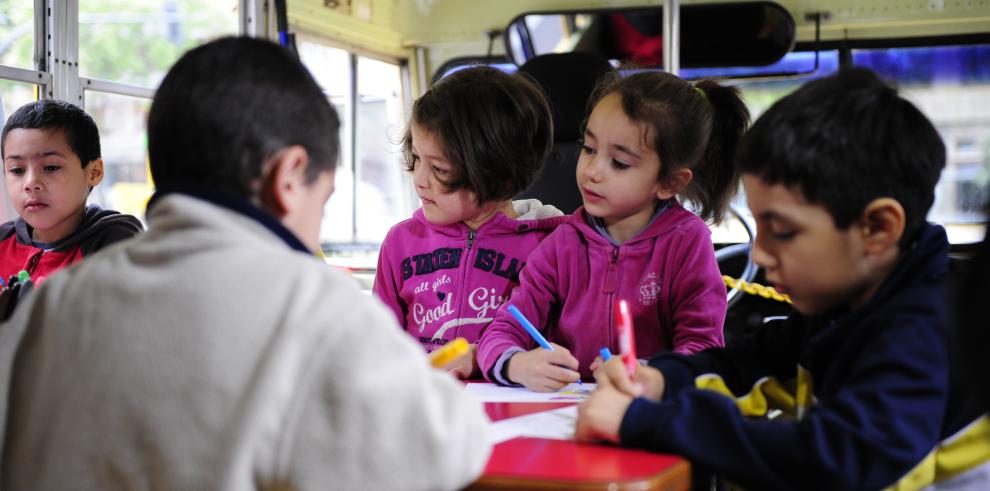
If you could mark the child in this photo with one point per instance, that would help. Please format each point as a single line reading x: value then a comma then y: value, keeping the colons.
x: 216, y: 351
x: 51, y: 161
x: 476, y: 139
x: 650, y: 136
x: 839, y: 176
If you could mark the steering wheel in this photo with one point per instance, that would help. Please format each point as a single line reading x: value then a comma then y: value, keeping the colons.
x: 737, y: 250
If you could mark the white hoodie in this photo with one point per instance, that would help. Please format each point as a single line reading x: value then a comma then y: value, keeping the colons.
x: 206, y: 354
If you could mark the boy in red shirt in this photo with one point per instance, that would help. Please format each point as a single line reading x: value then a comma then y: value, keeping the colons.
x: 51, y: 162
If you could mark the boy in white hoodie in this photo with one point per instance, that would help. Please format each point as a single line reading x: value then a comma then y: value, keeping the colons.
x: 217, y: 351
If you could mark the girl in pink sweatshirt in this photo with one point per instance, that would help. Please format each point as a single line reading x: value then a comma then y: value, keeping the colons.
x: 476, y: 139
x: 650, y: 137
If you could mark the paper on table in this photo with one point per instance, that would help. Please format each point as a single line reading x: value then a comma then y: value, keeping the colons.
x: 486, y: 392
x: 557, y: 424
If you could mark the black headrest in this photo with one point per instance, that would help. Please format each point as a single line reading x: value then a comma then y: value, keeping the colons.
x: 568, y: 80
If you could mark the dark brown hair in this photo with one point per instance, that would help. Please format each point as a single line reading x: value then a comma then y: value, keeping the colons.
x: 495, y: 130
x: 696, y: 127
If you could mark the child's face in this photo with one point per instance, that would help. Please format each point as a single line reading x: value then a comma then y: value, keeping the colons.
x: 617, y: 171
x: 805, y: 256
x: 432, y: 167
x: 46, y: 181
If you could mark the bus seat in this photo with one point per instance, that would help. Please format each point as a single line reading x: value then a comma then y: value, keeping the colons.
x: 568, y: 80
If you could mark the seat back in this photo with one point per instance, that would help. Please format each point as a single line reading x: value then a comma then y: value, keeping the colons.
x: 568, y: 79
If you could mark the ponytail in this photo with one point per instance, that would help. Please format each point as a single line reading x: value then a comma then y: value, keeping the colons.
x: 716, y: 179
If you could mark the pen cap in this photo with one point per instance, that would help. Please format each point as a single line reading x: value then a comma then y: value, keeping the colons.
x: 624, y: 328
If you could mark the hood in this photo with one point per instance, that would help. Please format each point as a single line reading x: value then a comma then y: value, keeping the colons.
x: 95, y: 221
x: 533, y: 215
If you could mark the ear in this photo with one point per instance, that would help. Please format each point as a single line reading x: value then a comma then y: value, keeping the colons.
x: 674, y: 184
x: 282, y: 181
x: 94, y: 172
x: 882, y: 224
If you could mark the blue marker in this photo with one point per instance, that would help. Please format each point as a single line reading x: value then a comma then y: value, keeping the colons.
x: 540, y: 340
x: 606, y: 354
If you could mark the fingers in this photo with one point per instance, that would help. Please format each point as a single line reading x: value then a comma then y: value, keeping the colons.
x: 613, y: 373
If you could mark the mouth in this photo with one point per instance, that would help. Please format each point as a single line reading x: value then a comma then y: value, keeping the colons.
x: 591, y: 195
x: 426, y: 201
x: 34, y: 205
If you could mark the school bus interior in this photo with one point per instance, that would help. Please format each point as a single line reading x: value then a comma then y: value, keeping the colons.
x: 374, y: 57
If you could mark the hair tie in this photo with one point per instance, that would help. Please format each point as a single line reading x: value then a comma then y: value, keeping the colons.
x: 701, y: 93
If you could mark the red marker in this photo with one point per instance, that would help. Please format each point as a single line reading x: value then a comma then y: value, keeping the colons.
x: 627, y: 342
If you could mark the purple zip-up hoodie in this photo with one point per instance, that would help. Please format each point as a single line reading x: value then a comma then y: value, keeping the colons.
x: 667, y: 273
x: 446, y: 281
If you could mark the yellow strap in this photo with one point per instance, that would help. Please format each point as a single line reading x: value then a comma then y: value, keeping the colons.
x: 755, y: 289
x: 966, y: 450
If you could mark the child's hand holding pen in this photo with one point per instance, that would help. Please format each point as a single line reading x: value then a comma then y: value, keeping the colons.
x: 600, y: 416
x: 647, y: 381
x: 542, y: 370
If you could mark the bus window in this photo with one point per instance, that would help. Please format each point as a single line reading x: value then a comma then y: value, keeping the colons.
x: 951, y: 85
x: 16, y: 72
x: 331, y: 67
x: 372, y: 191
x: 16, y: 36
x: 125, y: 48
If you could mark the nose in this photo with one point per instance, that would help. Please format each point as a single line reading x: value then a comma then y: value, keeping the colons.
x: 32, y: 180
x: 421, y: 178
x: 762, y: 257
x: 592, y: 169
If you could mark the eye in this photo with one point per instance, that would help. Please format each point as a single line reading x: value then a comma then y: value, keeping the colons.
x: 587, y: 150
x: 17, y: 171
x: 783, y: 235
x: 52, y: 168
x: 619, y: 165
x: 440, y: 171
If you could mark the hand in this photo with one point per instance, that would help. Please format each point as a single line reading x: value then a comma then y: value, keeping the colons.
x: 543, y: 370
x: 648, y: 383
x: 465, y: 366
x: 596, y: 363
x: 600, y: 416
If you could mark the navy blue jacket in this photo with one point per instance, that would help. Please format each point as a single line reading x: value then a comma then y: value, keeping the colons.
x: 879, y: 378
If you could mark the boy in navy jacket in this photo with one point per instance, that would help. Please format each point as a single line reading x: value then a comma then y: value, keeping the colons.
x: 839, y: 176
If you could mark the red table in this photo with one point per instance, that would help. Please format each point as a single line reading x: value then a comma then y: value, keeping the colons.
x: 541, y: 464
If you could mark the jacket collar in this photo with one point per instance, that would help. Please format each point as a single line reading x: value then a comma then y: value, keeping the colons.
x: 233, y: 203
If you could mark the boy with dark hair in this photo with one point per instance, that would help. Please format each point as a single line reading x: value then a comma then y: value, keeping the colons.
x: 221, y: 353
x: 51, y: 161
x: 839, y: 176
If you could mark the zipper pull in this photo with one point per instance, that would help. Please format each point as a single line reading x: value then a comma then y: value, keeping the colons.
x: 33, y: 262
x: 611, y: 274
x: 471, y: 234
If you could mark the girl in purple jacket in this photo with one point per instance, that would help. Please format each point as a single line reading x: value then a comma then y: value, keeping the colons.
x: 476, y: 139
x: 650, y: 137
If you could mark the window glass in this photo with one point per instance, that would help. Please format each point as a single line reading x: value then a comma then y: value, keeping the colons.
x: 136, y: 42
x: 759, y: 95
x: 122, y: 121
x: 17, y: 33
x: 383, y: 187
x: 331, y: 67
x: 951, y: 85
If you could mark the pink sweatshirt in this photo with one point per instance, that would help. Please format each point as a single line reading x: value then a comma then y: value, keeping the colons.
x: 667, y: 273
x: 446, y: 281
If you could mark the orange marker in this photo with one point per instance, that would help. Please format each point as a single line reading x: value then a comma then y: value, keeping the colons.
x: 452, y: 351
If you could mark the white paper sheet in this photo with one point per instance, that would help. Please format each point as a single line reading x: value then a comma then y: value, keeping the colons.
x: 557, y: 424
x: 486, y: 392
